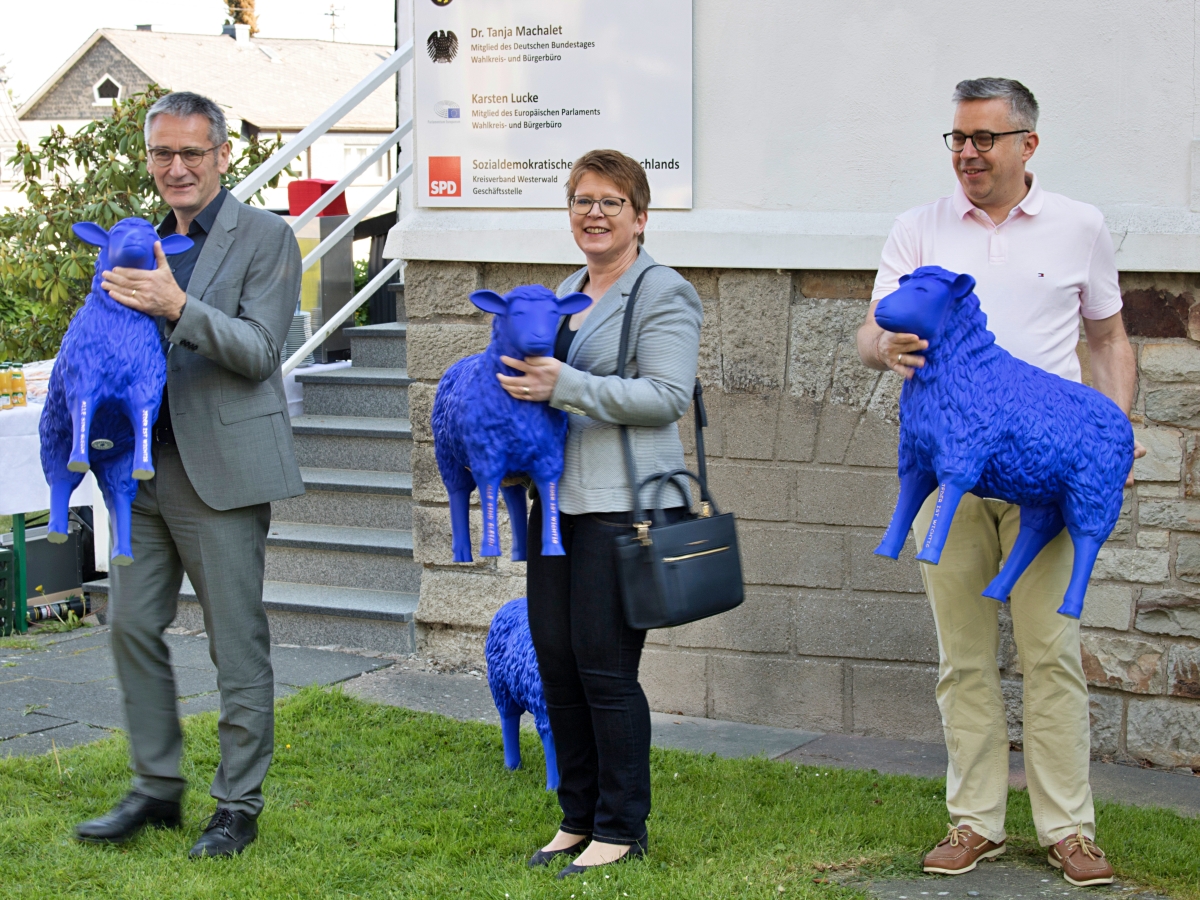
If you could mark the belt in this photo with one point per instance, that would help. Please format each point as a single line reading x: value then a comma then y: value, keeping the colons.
x: 164, y: 436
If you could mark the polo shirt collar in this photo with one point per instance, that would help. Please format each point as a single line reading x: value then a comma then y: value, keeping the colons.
x: 203, y: 222
x: 1031, y: 204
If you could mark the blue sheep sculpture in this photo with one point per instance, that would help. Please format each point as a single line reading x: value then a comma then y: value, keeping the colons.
x: 516, y: 685
x: 977, y: 419
x: 482, y: 436
x: 105, y: 388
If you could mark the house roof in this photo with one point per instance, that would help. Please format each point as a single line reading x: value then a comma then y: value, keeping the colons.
x: 276, y: 84
x: 10, y: 128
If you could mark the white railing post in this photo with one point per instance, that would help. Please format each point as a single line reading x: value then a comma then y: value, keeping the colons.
x: 348, y: 226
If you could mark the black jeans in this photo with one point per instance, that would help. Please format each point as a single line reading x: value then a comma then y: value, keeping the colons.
x: 588, y: 658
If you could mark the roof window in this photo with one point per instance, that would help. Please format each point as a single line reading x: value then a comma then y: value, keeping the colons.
x: 106, y: 91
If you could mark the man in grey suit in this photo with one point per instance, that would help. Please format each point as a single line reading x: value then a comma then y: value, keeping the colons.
x: 223, y: 452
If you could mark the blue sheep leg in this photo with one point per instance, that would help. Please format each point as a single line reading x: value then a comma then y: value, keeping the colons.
x: 60, y: 507
x: 460, y: 524
x: 1086, y: 549
x: 551, y: 529
x: 514, y: 499
x: 510, y: 730
x: 1039, y: 526
x: 122, y: 554
x: 141, y: 415
x: 82, y: 412
x: 914, y: 488
x: 489, y: 496
x: 551, y: 761
x: 949, y: 495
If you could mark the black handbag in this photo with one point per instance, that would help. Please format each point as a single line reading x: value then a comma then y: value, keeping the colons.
x: 674, y: 573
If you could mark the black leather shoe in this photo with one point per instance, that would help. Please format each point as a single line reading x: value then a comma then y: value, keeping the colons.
x: 127, y: 818
x: 227, y: 833
x: 636, y: 851
x: 545, y: 857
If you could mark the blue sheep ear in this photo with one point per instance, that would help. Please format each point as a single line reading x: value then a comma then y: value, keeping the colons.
x: 490, y: 301
x: 176, y: 243
x: 90, y: 233
x: 573, y: 303
x: 904, y: 278
x: 962, y: 286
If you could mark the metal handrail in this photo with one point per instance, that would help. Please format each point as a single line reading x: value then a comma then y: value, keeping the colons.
x: 319, y: 126
x: 330, y: 195
x: 341, y: 315
x: 361, y: 213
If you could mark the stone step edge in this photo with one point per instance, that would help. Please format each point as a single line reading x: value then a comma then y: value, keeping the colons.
x: 367, y: 375
x: 393, y: 330
x: 352, y: 481
x: 343, y: 602
x: 340, y: 538
x: 353, y: 426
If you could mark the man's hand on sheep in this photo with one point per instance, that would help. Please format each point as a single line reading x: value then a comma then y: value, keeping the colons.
x: 152, y: 291
x: 537, y: 384
x: 900, y: 352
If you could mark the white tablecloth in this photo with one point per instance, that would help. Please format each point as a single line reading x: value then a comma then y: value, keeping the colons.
x: 23, y: 487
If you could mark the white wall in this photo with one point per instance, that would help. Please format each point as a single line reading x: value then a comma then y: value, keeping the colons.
x: 817, y: 122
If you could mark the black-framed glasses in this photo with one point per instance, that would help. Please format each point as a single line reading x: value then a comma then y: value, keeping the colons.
x: 610, y: 206
x: 984, y: 141
x: 191, y: 156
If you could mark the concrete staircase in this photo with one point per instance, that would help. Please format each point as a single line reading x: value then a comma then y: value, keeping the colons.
x: 340, y: 566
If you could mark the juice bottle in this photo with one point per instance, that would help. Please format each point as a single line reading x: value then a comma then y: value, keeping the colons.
x: 5, y: 387
x: 17, y: 390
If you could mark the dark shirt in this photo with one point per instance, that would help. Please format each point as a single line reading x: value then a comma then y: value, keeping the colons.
x: 564, y: 339
x: 182, y: 266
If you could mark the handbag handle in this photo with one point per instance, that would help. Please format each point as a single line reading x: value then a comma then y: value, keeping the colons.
x: 701, y: 420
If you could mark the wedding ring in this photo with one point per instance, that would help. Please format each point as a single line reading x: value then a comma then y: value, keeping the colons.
x: 527, y: 390
x: 134, y: 293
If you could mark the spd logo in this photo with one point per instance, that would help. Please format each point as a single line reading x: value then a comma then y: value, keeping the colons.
x: 445, y: 176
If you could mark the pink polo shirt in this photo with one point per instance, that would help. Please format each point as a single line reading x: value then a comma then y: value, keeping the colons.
x: 1035, y: 273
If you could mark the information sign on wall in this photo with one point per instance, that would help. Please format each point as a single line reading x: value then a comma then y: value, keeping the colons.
x: 510, y: 92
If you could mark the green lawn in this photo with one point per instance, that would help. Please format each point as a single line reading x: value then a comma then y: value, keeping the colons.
x: 371, y: 801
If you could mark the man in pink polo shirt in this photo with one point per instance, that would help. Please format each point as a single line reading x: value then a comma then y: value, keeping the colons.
x: 1041, y: 261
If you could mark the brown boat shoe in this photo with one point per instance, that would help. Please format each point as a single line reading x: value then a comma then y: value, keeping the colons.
x: 960, y: 851
x: 1081, y: 861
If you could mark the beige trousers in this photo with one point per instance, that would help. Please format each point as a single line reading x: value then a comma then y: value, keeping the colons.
x: 1057, y: 738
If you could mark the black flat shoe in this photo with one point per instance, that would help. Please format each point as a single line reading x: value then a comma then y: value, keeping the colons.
x: 227, y: 833
x: 545, y: 857
x: 636, y: 851
x: 127, y: 818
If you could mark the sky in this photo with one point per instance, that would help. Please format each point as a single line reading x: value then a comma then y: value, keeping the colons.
x: 34, y: 44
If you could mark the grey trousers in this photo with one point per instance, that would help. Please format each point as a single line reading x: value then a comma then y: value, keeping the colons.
x: 223, y: 553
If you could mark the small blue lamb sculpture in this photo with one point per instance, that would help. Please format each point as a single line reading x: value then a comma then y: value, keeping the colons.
x: 481, y: 435
x: 978, y: 419
x: 512, y: 668
x: 106, y: 387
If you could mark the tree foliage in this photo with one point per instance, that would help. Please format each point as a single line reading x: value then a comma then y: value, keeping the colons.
x: 241, y: 12
x: 96, y: 175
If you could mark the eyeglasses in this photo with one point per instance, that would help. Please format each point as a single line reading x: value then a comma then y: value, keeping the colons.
x: 956, y: 141
x: 191, y: 156
x: 610, y: 206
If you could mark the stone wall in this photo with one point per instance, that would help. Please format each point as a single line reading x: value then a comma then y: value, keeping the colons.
x: 802, y: 447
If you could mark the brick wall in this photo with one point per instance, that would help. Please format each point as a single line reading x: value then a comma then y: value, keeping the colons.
x: 72, y: 97
x: 802, y: 447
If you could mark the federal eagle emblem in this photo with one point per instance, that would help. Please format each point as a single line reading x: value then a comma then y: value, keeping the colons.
x: 442, y: 46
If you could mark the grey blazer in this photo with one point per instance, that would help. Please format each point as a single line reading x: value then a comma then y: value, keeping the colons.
x: 228, y: 408
x: 664, y: 347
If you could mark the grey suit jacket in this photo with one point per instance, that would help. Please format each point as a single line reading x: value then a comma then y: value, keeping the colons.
x: 664, y: 347
x: 228, y: 408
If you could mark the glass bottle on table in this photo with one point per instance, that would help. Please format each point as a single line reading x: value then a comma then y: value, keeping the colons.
x: 5, y: 387
x: 17, y: 386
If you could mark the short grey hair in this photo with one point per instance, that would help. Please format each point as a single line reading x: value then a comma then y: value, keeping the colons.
x: 1023, y: 109
x: 183, y: 104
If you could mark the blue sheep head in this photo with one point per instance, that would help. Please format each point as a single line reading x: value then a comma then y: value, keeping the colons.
x: 130, y: 243
x: 527, y: 317
x: 923, y: 302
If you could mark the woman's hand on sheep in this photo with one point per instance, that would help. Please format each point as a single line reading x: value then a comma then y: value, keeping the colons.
x: 152, y: 291
x: 900, y: 352
x: 537, y: 384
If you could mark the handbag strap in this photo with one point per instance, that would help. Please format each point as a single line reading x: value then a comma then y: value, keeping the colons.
x: 701, y: 418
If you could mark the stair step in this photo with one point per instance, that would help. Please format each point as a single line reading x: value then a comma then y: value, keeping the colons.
x: 380, y: 444
x: 317, y: 615
x: 340, y: 538
x: 358, y: 481
x: 362, y: 393
x: 378, y: 345
x: 397, y: 377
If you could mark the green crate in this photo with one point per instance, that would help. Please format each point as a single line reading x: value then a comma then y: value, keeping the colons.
x: 8, y: 593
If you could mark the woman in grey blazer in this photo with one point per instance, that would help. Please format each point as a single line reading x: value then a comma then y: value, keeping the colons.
x: 587, y: 655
